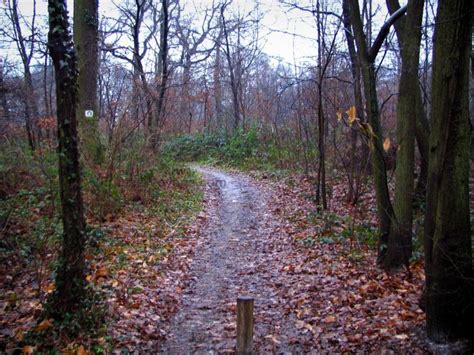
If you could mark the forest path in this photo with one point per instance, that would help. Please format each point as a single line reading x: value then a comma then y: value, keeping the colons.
x: 237, y: 254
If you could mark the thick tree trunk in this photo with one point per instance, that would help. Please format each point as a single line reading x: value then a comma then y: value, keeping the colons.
x: 399, y: 246
x: 86, y: 37
x: 70, y: 278
x: 422, y: 126
x: 448, y: 258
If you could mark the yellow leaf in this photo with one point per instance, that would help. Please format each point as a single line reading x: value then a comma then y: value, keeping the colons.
x: 27, y: 349
x: 102, y: 272
x: 47, y: 323
x: 81, y: 351
x: 50, y: 288
x: 339, y: 115
x: 19, y: 336
x: 386, y: 144
x: 352, y: 113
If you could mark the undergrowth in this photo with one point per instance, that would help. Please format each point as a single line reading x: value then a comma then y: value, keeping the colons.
x: 132, y: 183
x: 250, y: 149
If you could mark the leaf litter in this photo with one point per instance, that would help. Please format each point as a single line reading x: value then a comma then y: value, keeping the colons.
x: 254, y: 236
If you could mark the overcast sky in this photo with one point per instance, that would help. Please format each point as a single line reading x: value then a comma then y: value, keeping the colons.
x: 285, y: 34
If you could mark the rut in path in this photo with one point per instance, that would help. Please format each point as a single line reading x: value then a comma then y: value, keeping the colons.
x: 234, y: 256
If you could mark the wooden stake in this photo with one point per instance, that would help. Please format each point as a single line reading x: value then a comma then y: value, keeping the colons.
x: 244, y: 325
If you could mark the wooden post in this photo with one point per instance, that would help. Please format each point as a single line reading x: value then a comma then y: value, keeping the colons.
x: 244, y: 325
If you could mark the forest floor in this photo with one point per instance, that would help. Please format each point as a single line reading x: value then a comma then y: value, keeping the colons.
x: 310, y: 294
x: 173, y: 288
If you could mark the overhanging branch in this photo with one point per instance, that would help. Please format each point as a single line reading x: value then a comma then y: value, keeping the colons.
x: 384, y: 31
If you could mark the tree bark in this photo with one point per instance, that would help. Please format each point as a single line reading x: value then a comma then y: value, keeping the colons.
x: 399, y: 244
x: 163, y: 73
x: 70, y: 278
x: 233, y: 81
x: 355, y: 71
x: 86, y: 38
x: 220, y: 123
x: 3, y: 96
x: 366, y: 59
x: 422, y: 126
x: 448, y: 258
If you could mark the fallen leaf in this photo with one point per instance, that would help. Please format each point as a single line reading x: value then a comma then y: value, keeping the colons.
x: 46, y: 324
x: 330, y: 319
x: 81, y: 351
x: 28, y: 349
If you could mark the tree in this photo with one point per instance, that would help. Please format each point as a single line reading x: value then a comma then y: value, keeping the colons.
x: 26, y: 45
x: 3, y: 95
x: 193, y: 53
x: 355, y: 72
x: 70, y: 279
x: 86, y: 22
x: 162, y: 74
x: 366, y: 58
x: 240, y: 39
x: 131, y: 26
x: 399, y: 243
x: 448, y: 253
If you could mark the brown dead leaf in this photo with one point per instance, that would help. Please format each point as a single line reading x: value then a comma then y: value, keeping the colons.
x: 330, y: 319
x: 81, y: 351
x: 102, y: 272
x: 46, y: 324
x: 28, y: 349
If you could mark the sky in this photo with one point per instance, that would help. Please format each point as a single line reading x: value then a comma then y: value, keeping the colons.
x: 286, y: 35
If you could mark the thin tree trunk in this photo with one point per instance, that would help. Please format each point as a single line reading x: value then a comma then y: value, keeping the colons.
x: 3, y: 95
x: 233, y: 82
x: 163, y: 73
x: 70, y: 278
x: 373, y: 129
x: 220, y: 123
x: 29, y: 98
x: 47, y: 107
x: 355, y: 71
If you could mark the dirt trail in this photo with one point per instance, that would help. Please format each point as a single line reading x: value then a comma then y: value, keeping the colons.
x: 234, y: 256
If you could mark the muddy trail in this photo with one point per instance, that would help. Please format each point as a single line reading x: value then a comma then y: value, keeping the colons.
x: 235, y: 256
x: 253, y: 239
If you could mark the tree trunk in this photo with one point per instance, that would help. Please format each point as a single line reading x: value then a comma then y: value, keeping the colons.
x: 70, y: 278
x: 86, y: 37
x: 163, y: 74
x: 233, y: 81
x: 220, y: 123
x: 355, y: 71
x: 3, y: 96
x: 399, y: 246
x: 384, y: 206
x: 448, y: 258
